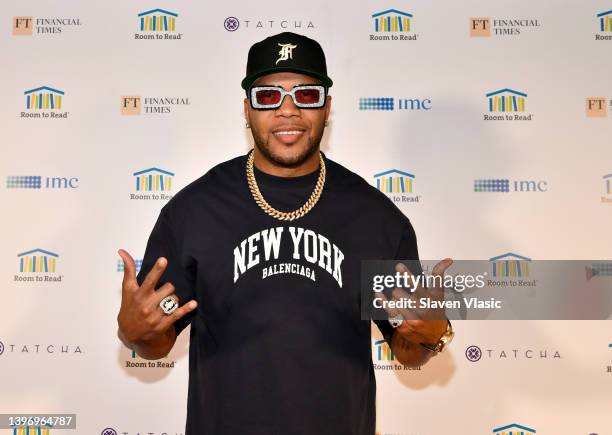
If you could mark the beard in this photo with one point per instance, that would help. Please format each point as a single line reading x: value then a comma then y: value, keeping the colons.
x: 287, y: 162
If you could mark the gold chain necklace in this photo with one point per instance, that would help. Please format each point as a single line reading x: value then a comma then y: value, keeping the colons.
x: 284, y: 216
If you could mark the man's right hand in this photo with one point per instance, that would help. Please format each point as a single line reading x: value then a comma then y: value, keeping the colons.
x: 143, y: 326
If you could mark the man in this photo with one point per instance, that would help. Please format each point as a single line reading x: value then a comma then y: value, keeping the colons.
x: 268, y: 247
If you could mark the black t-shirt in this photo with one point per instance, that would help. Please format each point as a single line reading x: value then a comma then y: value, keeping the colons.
x: 277, y: 343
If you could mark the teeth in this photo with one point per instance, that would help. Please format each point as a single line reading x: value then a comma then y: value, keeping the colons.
x: 281, y: 133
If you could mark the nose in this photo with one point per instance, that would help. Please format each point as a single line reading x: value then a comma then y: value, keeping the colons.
x: 288, y: 107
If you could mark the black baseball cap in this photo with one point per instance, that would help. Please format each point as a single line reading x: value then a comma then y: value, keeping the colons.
x: 286, y: 51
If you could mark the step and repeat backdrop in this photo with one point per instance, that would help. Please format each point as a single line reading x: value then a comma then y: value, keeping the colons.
x: 488, y: 123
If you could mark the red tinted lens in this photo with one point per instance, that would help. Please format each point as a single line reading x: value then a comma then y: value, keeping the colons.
x: 267, y: 96
x: 307, y: 96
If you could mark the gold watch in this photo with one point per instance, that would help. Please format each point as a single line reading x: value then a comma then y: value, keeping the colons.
x: 446, y: 338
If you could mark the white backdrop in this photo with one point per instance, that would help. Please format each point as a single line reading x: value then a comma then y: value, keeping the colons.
x: 59, y: 352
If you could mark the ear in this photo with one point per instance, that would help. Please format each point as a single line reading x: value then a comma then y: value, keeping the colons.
x: 247, y: 106
x: 328, y: 99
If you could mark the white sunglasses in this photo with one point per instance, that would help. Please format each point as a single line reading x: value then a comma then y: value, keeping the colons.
x: 271, y: 97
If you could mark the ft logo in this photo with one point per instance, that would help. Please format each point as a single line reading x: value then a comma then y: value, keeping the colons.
x: 597, y: 107
x: 22, y: 26
x: 130, y: 105
x: 480, y: 26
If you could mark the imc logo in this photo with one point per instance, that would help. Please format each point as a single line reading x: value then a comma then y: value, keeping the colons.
x: 598, y: 269
x: 382, y: 351
x: 385, y: 103
x: 597, y: 107
x: 121, y: 266
x: 38, y: 182
x: 394, y: 181
x: 513, y: 429
x: 510, y: 265
x: 44, y: 98
x: 23, y: 26
x: 605, y: 21
x: 130, y: 105
x: 480, y: 27
x: 506, y: 100
x: 157, y: 20
x: 392, y: 20
x: 505, y: 185
x: 37, y: 261
x: 153, y: 180
x: 31, y: 430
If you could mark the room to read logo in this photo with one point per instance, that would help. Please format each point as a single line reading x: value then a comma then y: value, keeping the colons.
x: 507, y: 105
x: 137, y: 105
x: 43, y: 102
x: 136, y: 362
x: 157, y: 24
x: 152, y: 184
x: 510, y: 270
x: 392, y: 25
x: 41, y: 182
x: 598, y: 107
x: 604, y: 26
x: 37, y: 265
x: 397, y: 185
x: 384, y: 358
x: 501, y: 27
x: 232, y: 24
x: 31, y: 430
x: 607, y: 180
x: 41, y: 26
x: 505, y: 185
x: 399, y: 104
x: 513, y: 429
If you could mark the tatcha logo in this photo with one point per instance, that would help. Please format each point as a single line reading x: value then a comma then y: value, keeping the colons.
x: 597, y: 107
x: 44, y: 102
x: 43, y: 349
x: 31, y: 430
x: 386, y: 103
x: 476, y: 353
x: 473, y: 353
x: 505, y: 185
x: 108, y: 431
x: 607, y: 189
x: 510, y: 265
x: 1, y: 348
x: 231, y: 24
x: 152, y: 180
x: 604, y: 24
x: 505, y: 102
x: 37, y: 260
x: 133, y: 104
x: 121, y: 266
x: 396, y: 184
x: 28, y: 26
x: 513, y: 429
x: 157, y: 24
x: 487, y: 26
x: 39, y: 182
x: 392, y: 25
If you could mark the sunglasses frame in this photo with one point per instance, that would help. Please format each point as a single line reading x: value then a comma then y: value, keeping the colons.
x: 284, y: 93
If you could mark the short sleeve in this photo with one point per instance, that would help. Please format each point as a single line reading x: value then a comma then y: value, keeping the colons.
x: 406, y: 250
x: 163, y: 243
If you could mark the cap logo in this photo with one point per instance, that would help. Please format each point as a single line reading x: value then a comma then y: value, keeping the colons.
x: 286, y: 52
